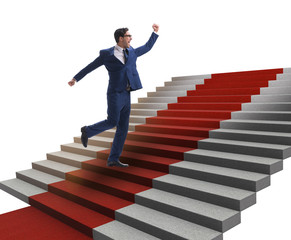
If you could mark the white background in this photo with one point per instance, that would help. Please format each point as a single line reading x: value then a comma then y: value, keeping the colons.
x: 45, y: 43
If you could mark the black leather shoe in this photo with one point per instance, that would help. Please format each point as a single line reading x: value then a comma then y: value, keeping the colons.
x: 116, y: 164
x: 84, y: 137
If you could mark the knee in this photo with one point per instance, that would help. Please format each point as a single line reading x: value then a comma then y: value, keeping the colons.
x: 112, y: 122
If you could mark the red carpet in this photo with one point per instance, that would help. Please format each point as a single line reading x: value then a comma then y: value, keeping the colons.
x: 89, y: 197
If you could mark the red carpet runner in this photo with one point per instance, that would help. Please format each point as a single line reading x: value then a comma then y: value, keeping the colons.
x: 89, y: 197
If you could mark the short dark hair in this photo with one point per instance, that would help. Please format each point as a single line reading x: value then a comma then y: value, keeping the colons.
x: 120, y: 32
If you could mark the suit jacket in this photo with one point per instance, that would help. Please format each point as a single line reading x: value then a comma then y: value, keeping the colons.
x: 119, y: 74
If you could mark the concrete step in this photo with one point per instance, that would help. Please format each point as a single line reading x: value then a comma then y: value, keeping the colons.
x: 78, y: 148
x: 247, y: 148
x: 143, y: 112
x: 121, y: 231
x: 185, y: 82
x: 131, y: 126
x: 181, y: 78
x: 157, y: 100
x: 68, y: 158
x: 252, y: 136
x: 275, y: 90
x: 262, y: 115
x: 271, y: 98
x: 98, y: 141
x: 277, y: 106
x: 281, y: 83
x: 138, y: 119
x: 257, y: 125
x: 162, y: 225
x: 157, y: 106
x: 38, y: 178
x: 221, y: 195
x: 176, y: 88
x: 20, y: 189
x: 205, y: 214
x: 53, y: 168
x: 284, y: 76
x: 167, y: 93
x: 236, y: 161
x: 221, y: 175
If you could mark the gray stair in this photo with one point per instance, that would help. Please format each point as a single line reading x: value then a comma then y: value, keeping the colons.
x: 257, y: 125
x: 276, y: 106
x: 158, y: 100
x: 185, y: 82
x: 205, y: 214
x: 78, y: 148
x: 275, y: 90
x: 247, y: 148
x: 121, y: 231
x: 176, y: 88
x: 236, y: 161
x: 98, y: 141
x: 271, y: 98
x: 162, y: 225
x: 226, y: 176
x: 252, y: 136
x: 68, y: 158
x: 53, y: 168
x: 225, y: 196
x: 156, y: 106
x: 262, y: 115
x: 20, y: 189
x: 182, y: 78
x: 138, y: 119
x: 144, y: 112
x: 173, y: 93
x: 38, y: 178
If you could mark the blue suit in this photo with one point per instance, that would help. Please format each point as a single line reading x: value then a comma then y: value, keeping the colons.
x: 118, y: 98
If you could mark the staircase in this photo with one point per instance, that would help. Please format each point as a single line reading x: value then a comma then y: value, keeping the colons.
x: 199, y: 149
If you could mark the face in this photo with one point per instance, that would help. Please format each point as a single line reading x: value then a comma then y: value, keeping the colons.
x: 124, y: 42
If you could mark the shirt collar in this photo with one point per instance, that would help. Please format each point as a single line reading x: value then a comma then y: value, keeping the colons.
x: 120, y: 49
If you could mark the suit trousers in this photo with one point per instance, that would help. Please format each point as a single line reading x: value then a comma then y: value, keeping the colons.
x: 118, y: 111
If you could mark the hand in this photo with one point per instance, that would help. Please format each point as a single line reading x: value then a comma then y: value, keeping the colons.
x: 156, y: 27
x: 72, y: 82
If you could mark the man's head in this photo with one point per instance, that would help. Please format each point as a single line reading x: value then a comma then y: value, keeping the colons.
x: 122, y: 37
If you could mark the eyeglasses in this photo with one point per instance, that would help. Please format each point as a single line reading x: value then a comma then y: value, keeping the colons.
x: 127, y: 36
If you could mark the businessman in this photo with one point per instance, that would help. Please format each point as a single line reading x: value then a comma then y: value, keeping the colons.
x: 120, y: 62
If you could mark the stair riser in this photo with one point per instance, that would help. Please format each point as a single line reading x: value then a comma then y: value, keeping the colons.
x: 266, y: 107
x: 143, y: 112
x: 134, y: 119
x: 149, y: 106
x: 247, y: 150
x: 95, y: 142
x: 220, y: 179
x: 281, y: 83
x: 251, y: 137
x: 194, y: 77
x: 186, y: 132
x: 176, y: 88
x: 158, y: 100
x: 64, y: 160
x: 84, y: 151
x: 206, y: 196
x: 167, y: 93
x: 235, y: 164
x: 32, y: 181
x: 185, y: 82
x: 261, y: 116
x: 271, y: 98
x: 256, y: 126
x: 205, y: 221
x: 277, y: 90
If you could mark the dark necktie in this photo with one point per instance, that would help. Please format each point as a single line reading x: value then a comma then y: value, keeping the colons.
x: 125, y: 52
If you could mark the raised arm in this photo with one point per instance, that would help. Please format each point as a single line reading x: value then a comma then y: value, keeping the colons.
x: 150, y: 43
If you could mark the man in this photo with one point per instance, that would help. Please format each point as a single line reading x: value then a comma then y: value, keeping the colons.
x: 120, y: 61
